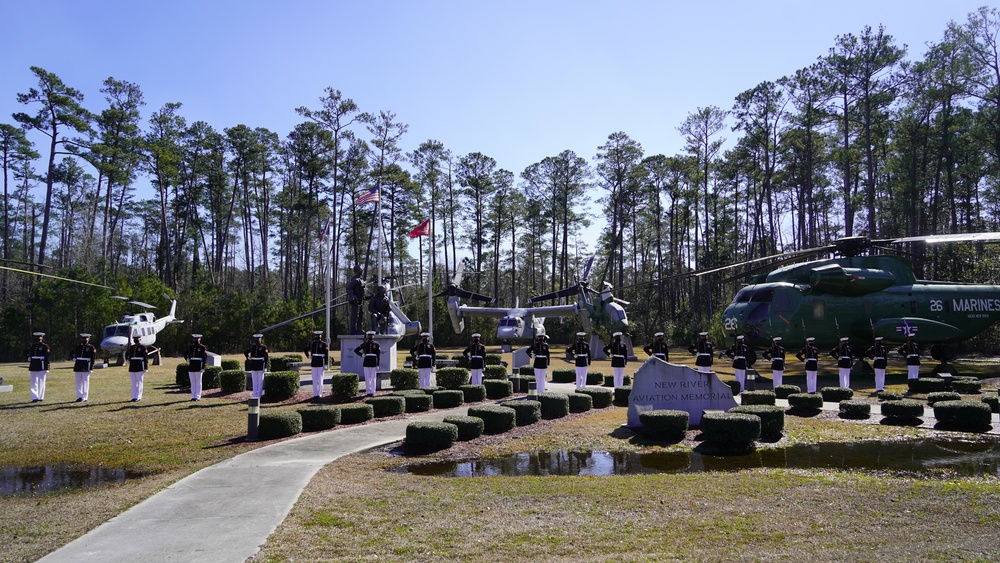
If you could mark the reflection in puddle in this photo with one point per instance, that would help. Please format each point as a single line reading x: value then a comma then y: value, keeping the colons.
x: 917, y: 456
x: 42, y: 479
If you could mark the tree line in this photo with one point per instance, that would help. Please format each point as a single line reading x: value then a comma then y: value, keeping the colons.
x: 864, y: 141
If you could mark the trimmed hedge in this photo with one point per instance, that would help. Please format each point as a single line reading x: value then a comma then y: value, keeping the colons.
x: 601, y: 396
x: 564, y: 376
x: 967, y: 386
x: 419, y: 403
x: 664, y: 424
x: 903, y: 409
x: 469, y: 427
x: 734, y: 386
x: 621, y: 395
x: 609, y: 380
x: 520, y: 383
x: 430, y: 390
x: 430, y: 435
x: 855, y: 409
x: 446, y: 399
x: 732, y: 430
x: 525, y: 411
x: 233, y: 380
x: 281, y: 385
x: 580, y: 402
x: 554, y: 405
x: 497, y: 419
x: 963, y: 414
x: 810, y: 401
x: 526, y: 370
x: 181, y: 375
x: 356, y: 413
x: 836, y: 394
x: 319, y: 418
x: 889, y: 396
x: 280, y: 363
x: 497, y: 388
x: 993, y: 401
x: 279, y: 424
x: 495, y: 372
x: 758, y: 397
x: 772, y: 418
x: 927, y: 385
x: 938, y: 396
x: 473, y: 393
x: 387, y: 405
x: 594, y: 378
x: 404, y: 378
x: 344, y: 386
x: 211, y: 377
x: 462, y: 359
x: 230, y: 365
x: 452, y: 378
x: 783, y: 391
x: 493, y: 359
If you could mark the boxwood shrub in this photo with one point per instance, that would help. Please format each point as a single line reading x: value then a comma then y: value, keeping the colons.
x: 938, y: 396
x: 495, y: 372
x: 281, y: 363
x: 963, y: 414
x: 783, y: 391
x: 344, y: 386
x: 231, y: 364
x: 447, y: 399
x: 498, y: 388
x: 469, y: 427
x: 757, y: 398
x: 621, y: 395
x: 927, y: 384
x: 430, y: 390
x: 281, y: 385
x: 463, y: 361
x: 233, y: 380
x: 805, y: 401
x: 889, y: 396
x: 772, y: 418
x: 355, y: 413
x: 319, y: 418
x: 181, y: 375
x: 836, y: 394
x: 580, y: 402
x: 525, y: 370
x: 664, y: 424
x: 404, y: 378
x: 430, y: 436
x: 279, y: 424
x: 497, y: 419
x: 452, y: 378
x: 903, y: 409
x: 492, y: 359
x: 554, y: 405
x: 520, y: 383
x: 734, y: 386
x: 387, y: 405
x: 526, y: 411
x: 419, y: 403
x: 609, y: 380
x: 855, y: 409
x: 211, y: 377
x: 601, y: 396
x: 473, y: 393
x: 993, y: 401
x: 595, y: 378
x: 564, y: 376
x: 730, y: 430
x: 969, y: 386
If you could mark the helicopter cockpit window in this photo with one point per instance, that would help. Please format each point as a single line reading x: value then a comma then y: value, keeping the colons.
x: 743, y: 296
x: 762, y: 296
x: 115, y: 330
x: 507, y: 321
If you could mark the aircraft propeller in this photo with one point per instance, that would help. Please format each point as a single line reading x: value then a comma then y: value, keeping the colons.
x: 454, y: 288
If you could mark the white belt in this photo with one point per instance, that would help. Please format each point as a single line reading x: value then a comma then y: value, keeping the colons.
x: 878, y: 358
x: 913, y: 356
x: 425, y: 356
x: 84, y: 359
x: 372, y: 355
x: 617, y: 355
x: 480, y: 357
x: 257, y: 359
x: 318, y: 355
x: 581, y: 355
x: 137, y: 358
x: 845, y: 357
x: 38, y: 357
x: 704, y: 354
x: 541, y: 356
x: 739, y: 357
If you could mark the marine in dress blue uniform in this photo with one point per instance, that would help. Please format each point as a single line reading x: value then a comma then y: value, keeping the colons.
x: 84, y: 355
x: 256, y: 361
x: 845, y: 357
x: 424, y: 354
x: 878, y: 353
x: 704, y: 351
x: 738, y: 353
x: 911, y: 351
x: 810, y: 355
x: 138, y: 363
x: 38, y: 366
x: 581, y: 358
x: 476, y: 354
x: 539, y: 350
x: 618, y: 352
x: 197, y: 357
x: 371, y: 354
x: 319, y: 357
x: 776, y: 353
x: 657, y: 348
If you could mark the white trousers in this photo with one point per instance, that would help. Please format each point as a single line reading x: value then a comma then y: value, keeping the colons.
x: 777, y: 374
x: 811, y: 381
x: 581, y: 377
x: 195, y: 378
x: 879, y: 379
x: 540, y: 374
x: 845, y: 376
x: 913, y: 372
x: 741, y: 377
x: 370, y: 375
x: 136, y: 377
x: 317, y: 377
x: 82, y: 384
x: 704, y: 369
x: 619, y: 374
x: 477, y: 376
x: 425, y: 377
x: 37, y: 384
x: 257, y: 379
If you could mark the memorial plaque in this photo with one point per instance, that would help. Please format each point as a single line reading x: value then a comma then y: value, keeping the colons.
x: 658, y: 385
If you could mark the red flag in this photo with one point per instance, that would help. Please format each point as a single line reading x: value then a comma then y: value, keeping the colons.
x: 325, y: 230
x: 423, y: 229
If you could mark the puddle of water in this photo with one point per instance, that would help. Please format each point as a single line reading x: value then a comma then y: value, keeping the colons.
x: 917, y: 456
x: 48, y: 478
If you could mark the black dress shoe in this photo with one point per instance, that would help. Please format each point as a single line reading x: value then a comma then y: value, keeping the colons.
x: 135, y: 400
x: 79, y: 400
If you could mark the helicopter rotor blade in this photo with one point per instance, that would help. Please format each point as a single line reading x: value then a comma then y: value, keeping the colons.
x: 936, y: 239
x: 29, y: 272
x: 459, y: 272
x: 586, y: 269
x: 555, y: 294
x: 141, y: 304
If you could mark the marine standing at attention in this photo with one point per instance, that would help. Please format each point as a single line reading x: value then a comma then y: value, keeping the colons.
x: 197, y: 357
x: 84, y: 356
x: 658, y: 348
x: 319, y: 358
x: 845, y: 357
x: 424, y: 354
x: 138, y: 363
x: 371, y: 354
x: 738, y: 353
x: 38, y: 366
x: 911, y: 351
x: 475, y: 352
x: 776, y: 353
x: 810, y: 355
x: 704, y: 350
x: 581, y: 356
x: 619, y: 358
x: 257, y: 356
x: 539, y: 350
x: 878, y: 354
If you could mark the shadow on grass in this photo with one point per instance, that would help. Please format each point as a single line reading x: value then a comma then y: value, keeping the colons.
x: 803, y: 412
x: 899, y: 421
x: 710, y: 447
x: 975, y: 428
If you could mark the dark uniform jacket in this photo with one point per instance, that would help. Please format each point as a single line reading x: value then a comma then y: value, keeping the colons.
x: 84, y: 356
x: 319, y: 354
x: 777, y: 356
x: 138, y: 359
x: 257, y: 356
x: 809, y: 354
x: 704, y: 350
x: 877, y: 353
x: 738, y: 352
x: 911, y: 350
x: 197, y: 357
x: 424, y: 353
x: 38, y: 356
x: 581, y: 353
x: 476, y: 354
x: 844, y: 355
x: 371, y: 352
x: 658, y: 348
x: 618, y: 352
x: 539, y: 351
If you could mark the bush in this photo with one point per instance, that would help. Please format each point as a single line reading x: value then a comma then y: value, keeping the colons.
x: 497, y: 419
x: 279, y: 424
x: 355, y: 413
x: 783, y: 391
x: 211, y: 377
x: 806, y: 401
x: 903, y: 409
x: 526, y: 370
x: 734, y: 385
x: 404, y: 378
x: 609, y: 380
x: 473, y: 393
x: 595, y: 378
x: 731, y: 430
x: 233, y: 380
x: 319, y: 418
x: 495, y: 372
x: 344, y: 386
x: 927, y: 385
x: 463, y: 361
x: 430, y: 390
x: 967, y: 386
x: 938, y: 396
x: 525, y: 411
x: 963, y: 414
x: 663, y: 424
x: 993, y: 401
x: 231, y: 364
x: 281, y: 385
x: 419, y: 403
x: 469, y: 427
x: 281, y: 363
x: 772, y: 418
x: 564, y: 376
x: 387, y: 405
x: 836, y: 394
x: 580, y: 402
x: 430, y: 435
x: 757, y: 398
x: 447, y: 399
x: 492, y: 359
x: 519, y: 383
x: 554, y: 405
x: 855, y: 409
x: 181, y: 375
x: 602, y: 397
x: 621, y: 395
x: 889, y: 396
x: 497, y: 388
x: 452, y: 378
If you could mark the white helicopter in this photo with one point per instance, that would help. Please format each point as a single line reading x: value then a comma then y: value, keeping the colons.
x: 117, y: 337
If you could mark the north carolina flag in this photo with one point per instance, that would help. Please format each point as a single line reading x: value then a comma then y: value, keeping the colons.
x: 371, y: 196
x: 423, y: 229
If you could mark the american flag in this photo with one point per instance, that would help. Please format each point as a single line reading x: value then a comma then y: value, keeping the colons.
x: 371, y: 196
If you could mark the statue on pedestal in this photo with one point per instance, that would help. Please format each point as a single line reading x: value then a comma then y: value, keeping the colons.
x: 355, y: 296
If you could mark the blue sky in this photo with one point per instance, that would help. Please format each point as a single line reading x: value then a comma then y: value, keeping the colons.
x: 516, y: 80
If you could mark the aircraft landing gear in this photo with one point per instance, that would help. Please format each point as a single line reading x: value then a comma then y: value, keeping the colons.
x: 157, y: 359
x: 120, y: 360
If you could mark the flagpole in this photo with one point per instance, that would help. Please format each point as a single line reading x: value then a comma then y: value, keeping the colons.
x: 379, y: 211
x: 430, y: 287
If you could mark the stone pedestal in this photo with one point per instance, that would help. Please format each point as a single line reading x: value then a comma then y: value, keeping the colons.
x: 351, y: 362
